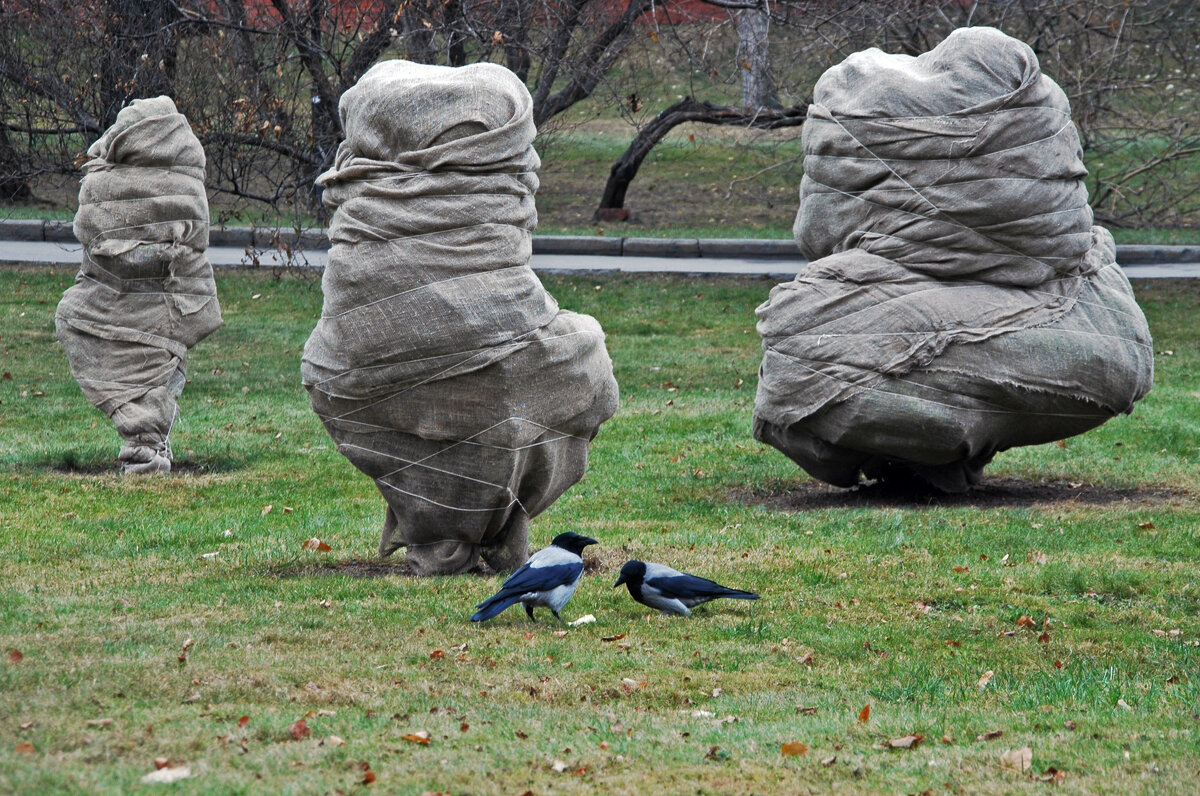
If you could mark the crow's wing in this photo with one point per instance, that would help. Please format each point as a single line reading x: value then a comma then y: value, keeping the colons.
x: 682, y: 586
x: 530, y: 578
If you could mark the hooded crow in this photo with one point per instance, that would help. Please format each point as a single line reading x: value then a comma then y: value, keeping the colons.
x: 672, y: 591
x: 547, y: 579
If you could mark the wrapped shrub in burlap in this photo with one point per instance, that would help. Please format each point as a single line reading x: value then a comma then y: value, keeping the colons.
x: 959, y: 301
x: 440, y: 366
x: 145, y: 293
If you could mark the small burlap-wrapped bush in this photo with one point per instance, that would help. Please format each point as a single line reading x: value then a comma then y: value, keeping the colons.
x: 440, y: 366
x: 145, y: 293
x: 959, y: 301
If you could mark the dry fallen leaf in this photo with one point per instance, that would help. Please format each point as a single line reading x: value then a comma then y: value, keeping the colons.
x: 1053, y: 776
x: 336, y: 740
x: 315, y: 544
x: 99, y: 722
x: 989, y: 735
x: 985, y: 679
x: 167, y: 775
x: 25, y: 748
x: 586, y: 619
x: 1121, y: 703
x: 368, y: 774
x: 906, y: 741
x: 962, y: 569
x: 437, y: 654
x: 1020, y: 759
x: 299, y: 729
x: 806, y: 710
x: 1044, y: 638
x: 161, y: 762
x: 1025, y: 621
x: 267, y: 509
x: 420, y: 736
x: 617, y: 637
x: 16, y: 656
x: 793, y: 749
x: 829, y: 761
x: 1146, y: 526
x: 242, y: 722
x: 864, y: 714
x: 805, y: 659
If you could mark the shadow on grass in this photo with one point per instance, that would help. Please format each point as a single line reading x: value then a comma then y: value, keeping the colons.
x: 1001, y: 492
x: 96, y: 462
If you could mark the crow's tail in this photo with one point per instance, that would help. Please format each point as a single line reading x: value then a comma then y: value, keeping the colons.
x: 738, y: 594
x: 493, y: 606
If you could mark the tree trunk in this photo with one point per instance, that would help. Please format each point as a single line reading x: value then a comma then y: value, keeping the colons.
x: 14, y: 188
x: 456, y: 35
x: 754, y: 59
x: 686, y: 110
x: 418, y: 36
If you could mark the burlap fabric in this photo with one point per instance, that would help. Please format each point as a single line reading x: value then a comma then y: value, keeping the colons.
x: 440, y: 366
x: 959, y: 301
x: 145, y: 293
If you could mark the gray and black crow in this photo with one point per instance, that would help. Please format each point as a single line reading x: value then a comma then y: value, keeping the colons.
x: 672, y: 591
x: 547, y: 579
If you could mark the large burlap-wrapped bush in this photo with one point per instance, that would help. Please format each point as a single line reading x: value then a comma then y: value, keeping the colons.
x: 440, y: 366
x: 145, y: 293
x: 959, y: 301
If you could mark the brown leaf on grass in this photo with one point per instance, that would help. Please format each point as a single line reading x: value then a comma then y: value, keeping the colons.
x: 985, y: 678
x: 315, y: 544
x: 464, y: 727
x: 793, y: 749
x: 368, y: 775
x: 16, y: 656
x: 829, y: 761
x: 1062, y: 443
x: 1070, y: 725
x: 420, y: 736
x: 267, y: 509
x: 961, y: 569
x: 299, y: 728
x: 864, y: 714
x: 161, y: 762
x: 1020, y: 759
x: 437, y: 654
x: 906, y: 741
x: 242, y: 722
x: 1058, y: 664
x: 1053, y: 776
x: 1146, y: 526
x: 1044, y: 638
x: 522, y: 735
x: 27, y: 725
x: 989, y: 735
x: 806, y: 710
x: 288, y: 509
x: 953, y: 643
x: 105, y: 722
x: 25, y: 748
x: 1026, y: 621
x: 617, y: 637
x: 336, y: 740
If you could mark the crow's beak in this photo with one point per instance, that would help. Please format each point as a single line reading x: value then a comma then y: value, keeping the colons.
x: 587, y: 540
x: 620, y: 580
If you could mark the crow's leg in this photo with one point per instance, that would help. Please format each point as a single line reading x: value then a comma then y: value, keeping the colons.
x: 529, y: 611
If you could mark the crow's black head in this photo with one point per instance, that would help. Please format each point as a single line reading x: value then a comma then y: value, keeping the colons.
x: 573, y: 542
x: 633, y: 572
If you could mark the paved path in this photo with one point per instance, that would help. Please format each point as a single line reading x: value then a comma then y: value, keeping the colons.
x: 68, y: 254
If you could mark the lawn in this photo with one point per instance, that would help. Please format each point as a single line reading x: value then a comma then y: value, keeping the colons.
x: 180, y: 618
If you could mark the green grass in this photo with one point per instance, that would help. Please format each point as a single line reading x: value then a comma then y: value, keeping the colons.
x: 103, y: 581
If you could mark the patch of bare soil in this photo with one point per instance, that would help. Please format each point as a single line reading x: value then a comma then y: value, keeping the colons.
x: 68, y: 464
x: 999, y: 492
x: 357, y: 568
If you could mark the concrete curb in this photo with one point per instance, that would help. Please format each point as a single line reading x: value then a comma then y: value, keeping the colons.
x: 599, y: 245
